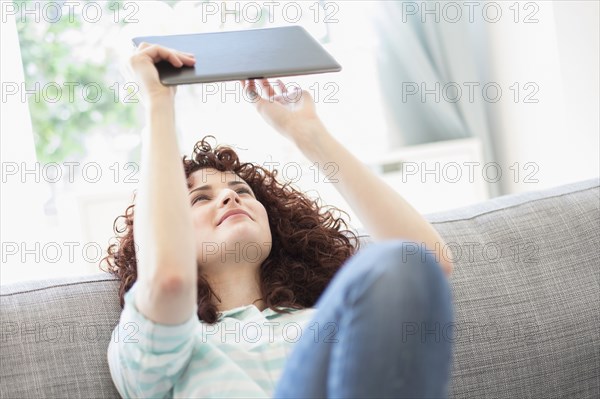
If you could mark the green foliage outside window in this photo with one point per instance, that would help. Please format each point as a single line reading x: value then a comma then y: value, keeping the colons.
x: 53, y: 71
x: 52, y: 60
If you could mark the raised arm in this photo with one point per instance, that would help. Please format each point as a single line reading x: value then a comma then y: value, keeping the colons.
x: 163, y: 230
x: 385, y: 214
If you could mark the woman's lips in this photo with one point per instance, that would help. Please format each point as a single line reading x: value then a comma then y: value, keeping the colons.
x: 237, y: 214
x: 233, y: 212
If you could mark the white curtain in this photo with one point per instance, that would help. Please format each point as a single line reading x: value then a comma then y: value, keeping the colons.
x: 431, y: 75
x: 21, y: 197
x: 423, y: 58
x: 544, y: 57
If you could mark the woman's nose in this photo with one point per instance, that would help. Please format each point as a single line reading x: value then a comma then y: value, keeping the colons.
x: 230, y: 195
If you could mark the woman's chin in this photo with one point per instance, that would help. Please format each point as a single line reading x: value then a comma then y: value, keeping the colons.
x: 238, y: 249
x: 241, y: 225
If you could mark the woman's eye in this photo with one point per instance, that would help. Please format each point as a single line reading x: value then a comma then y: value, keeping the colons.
x: 204, y: 197
x: 198, y: 198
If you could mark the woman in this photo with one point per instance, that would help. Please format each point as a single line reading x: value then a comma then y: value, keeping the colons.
x: 231, y: 261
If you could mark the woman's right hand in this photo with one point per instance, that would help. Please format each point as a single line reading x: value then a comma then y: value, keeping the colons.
x: 146, y: 74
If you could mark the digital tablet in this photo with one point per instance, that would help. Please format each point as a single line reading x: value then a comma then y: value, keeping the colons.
x: 243, y: 54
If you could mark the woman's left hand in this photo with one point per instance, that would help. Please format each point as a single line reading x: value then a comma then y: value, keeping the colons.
x: 292, y: 113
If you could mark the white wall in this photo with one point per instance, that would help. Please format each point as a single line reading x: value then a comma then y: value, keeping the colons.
x: 577, y: 25
x: 559, y: 133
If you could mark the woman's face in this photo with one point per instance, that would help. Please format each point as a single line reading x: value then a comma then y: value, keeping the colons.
x: 239, y: 239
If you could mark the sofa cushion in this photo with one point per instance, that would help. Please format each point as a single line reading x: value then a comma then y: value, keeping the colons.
x: 54, y: 337
x: 526, y: 293
x: 527, y: 308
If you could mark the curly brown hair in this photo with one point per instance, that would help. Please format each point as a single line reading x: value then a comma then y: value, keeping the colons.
x: 308, y: 244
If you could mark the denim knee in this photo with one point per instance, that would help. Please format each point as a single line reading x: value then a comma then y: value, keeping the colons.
x: 389, y: 267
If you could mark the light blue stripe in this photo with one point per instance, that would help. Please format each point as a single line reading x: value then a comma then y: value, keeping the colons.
x: 196, y: 375
x: 250, y: 367
x: 271, y: 364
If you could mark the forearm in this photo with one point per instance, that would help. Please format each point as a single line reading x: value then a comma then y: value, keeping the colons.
x: 384, y: 213
x: 164, y: 236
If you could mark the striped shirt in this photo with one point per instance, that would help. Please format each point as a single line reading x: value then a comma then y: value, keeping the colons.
x: 242, y: 355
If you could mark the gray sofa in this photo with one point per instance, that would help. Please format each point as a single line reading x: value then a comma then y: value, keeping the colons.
x: 526, y: 290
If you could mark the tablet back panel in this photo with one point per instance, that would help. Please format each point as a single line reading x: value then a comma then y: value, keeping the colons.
x: 244, y: 54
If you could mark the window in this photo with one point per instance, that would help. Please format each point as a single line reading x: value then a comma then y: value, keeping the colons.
x: 86, y: 119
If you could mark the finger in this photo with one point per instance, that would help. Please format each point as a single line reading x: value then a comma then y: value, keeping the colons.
x: 252, y: 92
x: 278, y: 87
x: 188, y: 59
x: 170, y: 55
x: 145, y: 45
x: 186, y: 54
x: 267, y: 86
x: 181, y: 59
x: 251, y: 87
x: 159, y: 53
x: 281, y: 86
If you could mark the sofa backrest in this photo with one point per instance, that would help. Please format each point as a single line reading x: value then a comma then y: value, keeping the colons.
x: 526, y: 294
x: 525, y: 287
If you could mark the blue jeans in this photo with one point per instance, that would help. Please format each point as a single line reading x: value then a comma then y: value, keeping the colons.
x: 385, y: 330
